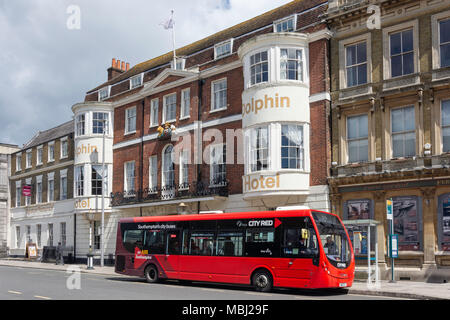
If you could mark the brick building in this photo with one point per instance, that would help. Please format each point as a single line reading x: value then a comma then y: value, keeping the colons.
x: 231, y: 124
x: 390, y: 117
x: 46, y: 215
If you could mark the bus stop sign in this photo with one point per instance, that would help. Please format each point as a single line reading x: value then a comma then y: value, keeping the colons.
x: 389, y: 209
x: 393, y: 246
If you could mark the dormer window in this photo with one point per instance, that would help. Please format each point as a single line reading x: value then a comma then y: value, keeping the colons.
x: 180, y: 64
x: 103, y: 93
x: 136, y: 81
x: 285, y: 25
x: 223, y: 49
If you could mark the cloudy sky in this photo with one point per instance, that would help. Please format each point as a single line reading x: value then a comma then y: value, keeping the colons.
x: 46, y: 66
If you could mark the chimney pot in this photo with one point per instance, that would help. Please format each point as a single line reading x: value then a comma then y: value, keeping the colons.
x: 123, y: 66
x: 128, y: 66
x: 118, y: 64
x: 113, y: 62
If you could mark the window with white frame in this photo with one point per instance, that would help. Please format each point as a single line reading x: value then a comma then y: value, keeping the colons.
x: 62, y: 233
x: 79, y: 181
x: 136, y: 81
x: 218, y: 168
x: 18, y: 193
x: 100, y: 122
x: 285, y: 25
x: 130, y: 120
x: 17, y: 237
x: 259, y: 149
x: 28, y: 159
x: 154, y: 113
x: 50, y: 234
x: 28, y: 198
x: 180, y: 64
x: 39, y: 153
x: 184, y: 169
x: 356, y: 64
x: 291, y: 64
x: 185, y: 103
x: 51, y: 151
x: 129, y: 174
x: 64, y: 148
x: 18, y: 162
x: 401, y: 46
x: 357, y: 138
x: 168, y: 173
x: 63, y: 185
x: 50, y: 188
x: 219, y: 94
x: 153, y: 174
x: 259, y: 68
x: 80, y: 125
x: 96, y: 180
x: 445, y: 125
x: 170, y: 108
x: 103, y: 93
x: 39, y: 189
x: 403, y: 132
x: 444, y: 42
x: 292, y: 149
x: 223, y: 49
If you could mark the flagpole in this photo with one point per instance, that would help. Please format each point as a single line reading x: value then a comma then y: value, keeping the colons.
x: 173, y: 44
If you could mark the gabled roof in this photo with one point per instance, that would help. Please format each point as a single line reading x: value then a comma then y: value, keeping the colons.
x: 232, y: 32
x: 50, y: 134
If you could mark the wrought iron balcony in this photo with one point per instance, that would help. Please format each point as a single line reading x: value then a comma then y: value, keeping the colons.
x: 196, y: 189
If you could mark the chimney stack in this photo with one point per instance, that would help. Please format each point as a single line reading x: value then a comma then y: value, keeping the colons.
x: 117, y: 67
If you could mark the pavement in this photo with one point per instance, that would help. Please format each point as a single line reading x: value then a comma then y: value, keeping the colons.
x: 399, y: 289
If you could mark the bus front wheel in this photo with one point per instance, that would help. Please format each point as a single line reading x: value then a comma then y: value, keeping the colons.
x: 151, y: 274
x: 262, y: 281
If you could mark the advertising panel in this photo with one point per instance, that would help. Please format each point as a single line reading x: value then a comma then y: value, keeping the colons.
x: 407, y: 222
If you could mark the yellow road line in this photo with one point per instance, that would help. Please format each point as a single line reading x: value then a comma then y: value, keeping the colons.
x: 41, y: 297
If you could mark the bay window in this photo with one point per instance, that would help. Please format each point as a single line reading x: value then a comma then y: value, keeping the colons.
x: 291, y: 64
x: 259, y: 68
x: 292, y: 151
x: 259, y: 149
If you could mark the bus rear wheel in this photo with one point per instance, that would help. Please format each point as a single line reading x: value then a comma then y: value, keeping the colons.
x: 262, y: 281
x: 151, y: 274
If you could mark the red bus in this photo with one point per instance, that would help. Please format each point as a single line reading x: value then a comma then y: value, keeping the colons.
x: 291, y: 248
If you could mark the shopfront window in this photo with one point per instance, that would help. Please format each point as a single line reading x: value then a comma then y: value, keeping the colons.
x: 408, y: 222
x: 444, y: 222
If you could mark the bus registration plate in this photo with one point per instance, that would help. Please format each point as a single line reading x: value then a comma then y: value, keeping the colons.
x: 342, y: 285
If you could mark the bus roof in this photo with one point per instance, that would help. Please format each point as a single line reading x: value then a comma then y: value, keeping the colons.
x: 221, y: 216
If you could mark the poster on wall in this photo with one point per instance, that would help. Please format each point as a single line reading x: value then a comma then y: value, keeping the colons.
x: 446, y: 224
x: 406, y: 222
x: 358, y: 209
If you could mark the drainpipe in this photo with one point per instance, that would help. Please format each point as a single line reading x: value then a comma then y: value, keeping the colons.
x: 141, y: 166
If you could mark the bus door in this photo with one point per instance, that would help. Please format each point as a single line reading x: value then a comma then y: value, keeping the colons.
x: 171, y: 259
x: 299, y: 249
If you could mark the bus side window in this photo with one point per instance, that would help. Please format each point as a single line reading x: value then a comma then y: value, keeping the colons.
x: 201, y: 243
x: 154, y: 242
x: 229, y: 244
x: 132, y: 239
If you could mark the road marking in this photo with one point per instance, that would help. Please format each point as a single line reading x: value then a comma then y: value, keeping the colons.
x: 259, y: 294
x: 42, y: 297
x: 14, y: 292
